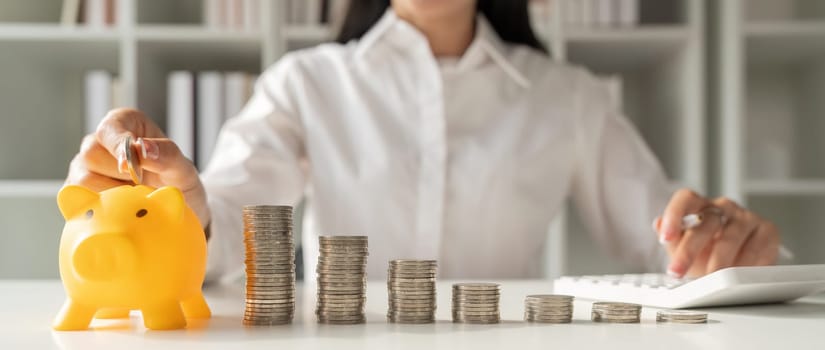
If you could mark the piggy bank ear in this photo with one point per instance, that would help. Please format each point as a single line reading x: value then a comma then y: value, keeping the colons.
x: 170, y: 200
x: 72, y: 199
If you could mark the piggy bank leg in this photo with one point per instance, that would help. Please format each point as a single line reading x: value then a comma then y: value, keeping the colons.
x: 74, y: 317
x: 164, y: 316
x: 196, y: 307
x: 112, y: 313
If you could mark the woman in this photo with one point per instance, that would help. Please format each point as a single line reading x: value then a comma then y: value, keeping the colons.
x: 441, y: 130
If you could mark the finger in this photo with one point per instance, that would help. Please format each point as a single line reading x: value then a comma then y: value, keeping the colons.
x: 695, y: 245
x: 682, y: 203
x: 122, y: 123
x: 163, y: 157
x: 761, y: 248
x: 97, y: 159
x: 730, y: 239
x: 669, y: 246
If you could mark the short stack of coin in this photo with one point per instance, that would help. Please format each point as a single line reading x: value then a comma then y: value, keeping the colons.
x: 270, y: 265
x: 548, y: 308
x: 342, y: 271
x: 681, y: 316
x: 476, y: 303
x: 613, y: 312
x: 411, y: 290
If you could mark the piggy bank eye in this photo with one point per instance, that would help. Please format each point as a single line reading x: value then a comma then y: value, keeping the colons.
x: 141, y: 213
x: 90, y: 213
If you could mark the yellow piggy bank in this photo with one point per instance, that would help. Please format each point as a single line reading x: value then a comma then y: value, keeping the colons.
x: 130, y: 248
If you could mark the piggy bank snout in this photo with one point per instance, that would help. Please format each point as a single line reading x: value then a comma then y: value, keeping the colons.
x: 104, y: 256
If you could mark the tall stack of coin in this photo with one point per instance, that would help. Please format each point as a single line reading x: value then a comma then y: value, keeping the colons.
x: 476, y: 303
x: 411, y: 289
x: 681, y: 316
x: 548, y: 308
x: 616, y: 312
x: 270, y: 265
x: 342, y: 270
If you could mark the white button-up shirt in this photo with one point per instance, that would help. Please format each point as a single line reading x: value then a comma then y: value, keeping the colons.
x: 466, y: 162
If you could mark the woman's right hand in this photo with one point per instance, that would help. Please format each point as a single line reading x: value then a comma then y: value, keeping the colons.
x: 100, y: 164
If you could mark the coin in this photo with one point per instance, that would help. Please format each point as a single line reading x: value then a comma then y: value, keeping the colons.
x: 614, y: 312
x: 681, y: 316
x: 270, y: 265
x: 341, y: 278
x: 132, y: 160
x: 476, y: 303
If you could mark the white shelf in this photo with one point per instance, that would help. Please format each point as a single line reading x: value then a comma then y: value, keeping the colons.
x: 622, y: 48
x: 644, y: 34
x: 790, y: 187
x: 53, y: 32
x: 29, y: 188
x: 310, y: 33
x: 193, y: 33
x: 784, y: 42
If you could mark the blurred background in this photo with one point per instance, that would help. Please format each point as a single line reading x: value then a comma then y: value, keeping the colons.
x: 730, y: 94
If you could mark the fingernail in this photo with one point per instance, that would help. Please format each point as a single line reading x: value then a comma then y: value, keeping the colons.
x: 662, y: 240
x: 150, y: 149
x: 142, y: 147
x: 669, y: 233
x: 675, y: 270
x: 121, y: 163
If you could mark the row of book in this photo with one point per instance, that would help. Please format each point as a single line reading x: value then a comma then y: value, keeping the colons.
x: 95, y: 14
x: 244, y: 15
x: 587, y: 13
x: 198, y: 103
x: 232, y: 15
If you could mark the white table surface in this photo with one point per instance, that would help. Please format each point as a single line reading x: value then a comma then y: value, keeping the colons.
x: 27, y: 309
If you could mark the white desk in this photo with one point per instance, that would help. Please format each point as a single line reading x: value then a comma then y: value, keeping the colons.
x: 27, y: 308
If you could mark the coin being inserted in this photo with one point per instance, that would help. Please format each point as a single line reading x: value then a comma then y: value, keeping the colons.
x: 133, y: 161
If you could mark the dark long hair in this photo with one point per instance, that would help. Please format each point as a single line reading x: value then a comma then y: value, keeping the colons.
x: 509, y: 18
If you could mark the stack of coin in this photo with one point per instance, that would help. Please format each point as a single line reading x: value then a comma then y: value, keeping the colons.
x: 681, y: 316
x: 548, y: 308
x: 411, y: 290
x: 270, y: 265
x: 616, y: 312
x: 342, y: 270
x: 476, y: 303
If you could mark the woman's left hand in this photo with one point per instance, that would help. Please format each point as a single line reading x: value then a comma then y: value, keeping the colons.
x: 727, y: 235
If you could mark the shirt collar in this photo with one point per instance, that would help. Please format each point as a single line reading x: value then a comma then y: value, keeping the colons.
x: 393, y: 31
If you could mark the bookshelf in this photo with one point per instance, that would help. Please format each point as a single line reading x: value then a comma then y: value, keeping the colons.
x: 661, y: 63
x: 43, y: 65
x: 768, y: 104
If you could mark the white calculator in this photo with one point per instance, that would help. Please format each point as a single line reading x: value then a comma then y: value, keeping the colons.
x: 731, y: 286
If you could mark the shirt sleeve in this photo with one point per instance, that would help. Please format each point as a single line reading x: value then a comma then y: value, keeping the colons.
x: 259, y: 158
x: 619, y: 187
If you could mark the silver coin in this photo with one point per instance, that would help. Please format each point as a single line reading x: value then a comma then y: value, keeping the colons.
x: 132, y: 161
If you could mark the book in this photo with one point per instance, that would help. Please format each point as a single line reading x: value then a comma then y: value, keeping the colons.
x: 233, y: 10
x: 572, y: 10
x: 94, y: 13
x: 251, y: 15
x: 235, y: 93
x: 70, y: 13
x: 213, y: 14
x: 603, y: 12
x: 98, y: 98
x: 628, y: 13
x: 180, y: 115
x: 210, y: 115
